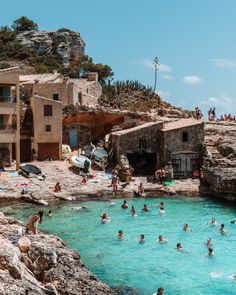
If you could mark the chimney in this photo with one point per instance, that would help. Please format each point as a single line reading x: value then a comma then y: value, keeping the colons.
x: 93, y: 76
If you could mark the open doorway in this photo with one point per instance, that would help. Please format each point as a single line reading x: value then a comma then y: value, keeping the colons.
x: 144, y: 163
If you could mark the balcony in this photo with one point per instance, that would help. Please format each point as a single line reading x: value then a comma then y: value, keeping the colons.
x: 7, y: 127
x: 7, y: 99
x: 7, y: 133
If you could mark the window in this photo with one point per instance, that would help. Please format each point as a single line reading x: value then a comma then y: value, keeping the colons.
x: 79, y: 97
x: 47, y: 110
x: 142, y: 143
x: 185, y: 136
x: 48, y: 128
x: 55, y: 96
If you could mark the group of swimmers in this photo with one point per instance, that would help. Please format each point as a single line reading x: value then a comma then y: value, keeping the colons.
x: 161, y: 239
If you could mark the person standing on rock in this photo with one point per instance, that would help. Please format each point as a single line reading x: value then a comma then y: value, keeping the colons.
x: 33, y: 221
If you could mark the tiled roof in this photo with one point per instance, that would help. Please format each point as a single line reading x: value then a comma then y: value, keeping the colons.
x: 41, y: 78
x: 135, y: 128
x: 181, y: 124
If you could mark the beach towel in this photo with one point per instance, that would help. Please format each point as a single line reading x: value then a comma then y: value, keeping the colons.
x: 166, y: 183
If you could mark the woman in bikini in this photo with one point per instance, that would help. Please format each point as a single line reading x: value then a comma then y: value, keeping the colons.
x: 33, y: 221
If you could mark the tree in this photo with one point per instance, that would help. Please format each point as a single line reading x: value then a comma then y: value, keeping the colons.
x: 24, y: 24
x: 104, y: 71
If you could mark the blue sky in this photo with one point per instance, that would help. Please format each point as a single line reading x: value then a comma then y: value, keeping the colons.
x: 194, y: 41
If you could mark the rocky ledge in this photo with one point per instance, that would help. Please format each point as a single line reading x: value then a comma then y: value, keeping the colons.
x: 41, y: 265
x: 67, y: 44
x: 219, y: 162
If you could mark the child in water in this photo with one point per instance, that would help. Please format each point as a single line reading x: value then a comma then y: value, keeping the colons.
x: 125, y: 205
x: 186, y: 228
x: 179, y: 247
x: 142, y: 238
x: 213, y: 221
x: 162, y: 240
x: 222, y: 229
x: 210, y: 252
x: 120, y: 235
x: 145, y: 208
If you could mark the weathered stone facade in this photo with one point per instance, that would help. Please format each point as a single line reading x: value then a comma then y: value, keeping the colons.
x: 179, y: 142
x: 47, y: 117
x: 84, y: 92
x: 9, y: 109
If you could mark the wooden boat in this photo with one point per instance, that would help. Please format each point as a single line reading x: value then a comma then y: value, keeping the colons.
x: 79, y: 161
x: 30, y: 169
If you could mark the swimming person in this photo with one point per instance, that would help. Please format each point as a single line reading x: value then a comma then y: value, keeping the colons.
x: 210, y: 252
x: 208, y: 243
x: 105, y: 218
x: 222, y: 229
x: 110, y: 203
x: 142, y: 238
x: 186, y: 227
x: 160, y: 291
x: 120, y: 235
x: 145, y: 208
x: 233, y: 221
x: 49, y: 214
x: 125, y: 205
x: 161, y: 240
x: 33, y: 221
x: 179, y: 247
x: 133, y: 211
x: 213, y: 221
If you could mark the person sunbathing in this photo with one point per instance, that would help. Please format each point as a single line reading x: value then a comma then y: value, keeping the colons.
x: 57, y: 187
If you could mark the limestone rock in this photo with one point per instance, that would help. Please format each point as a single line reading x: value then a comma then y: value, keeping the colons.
x: 219, y: 163
x: 67, y: 44
x: 48, y: 268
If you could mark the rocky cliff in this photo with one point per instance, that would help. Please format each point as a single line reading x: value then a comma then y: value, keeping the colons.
x: 219, y: 164
x: 41, y: 265
x: 66, y: 44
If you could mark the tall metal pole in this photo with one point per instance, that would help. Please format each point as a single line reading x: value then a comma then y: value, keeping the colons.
x: 156, y: 65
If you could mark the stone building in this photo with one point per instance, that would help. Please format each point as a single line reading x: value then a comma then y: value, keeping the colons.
x: 153, y: 145
x: 47, y: 124
x: 84, y: 92
x: 139, y: 144
x: 9, y: 116
x: 181, y: 143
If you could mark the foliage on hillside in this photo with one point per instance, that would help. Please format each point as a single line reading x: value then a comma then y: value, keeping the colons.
x: 12, y: 49
x: 131, y: 95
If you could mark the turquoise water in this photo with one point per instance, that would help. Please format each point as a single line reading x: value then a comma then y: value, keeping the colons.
x: 150, y: 265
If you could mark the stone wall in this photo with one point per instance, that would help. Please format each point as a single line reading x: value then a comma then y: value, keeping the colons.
x: 143, y: 137
x: 173, y: 140
x: 40, y: 122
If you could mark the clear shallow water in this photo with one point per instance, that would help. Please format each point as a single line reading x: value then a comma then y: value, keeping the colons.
x: 148, y: 266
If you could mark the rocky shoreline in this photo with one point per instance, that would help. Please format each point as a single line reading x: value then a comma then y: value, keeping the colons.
x: 219, y: 161
x: 41, y: 265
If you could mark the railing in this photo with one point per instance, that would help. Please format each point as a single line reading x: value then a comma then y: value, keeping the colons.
x: 7, y: 99
x: 7, y: 127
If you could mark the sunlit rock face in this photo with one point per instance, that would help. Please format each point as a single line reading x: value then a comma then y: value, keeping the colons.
x: 67, y: 45
x: 219, y: 167
x: 48, y: 267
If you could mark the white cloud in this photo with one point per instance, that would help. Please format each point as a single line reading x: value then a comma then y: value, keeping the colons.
x: 164, y: 94
x: 149, y: 64
x: 223, y: 102
x: 167, y: 77
x: 223, y: 63
x: 192, y: 80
